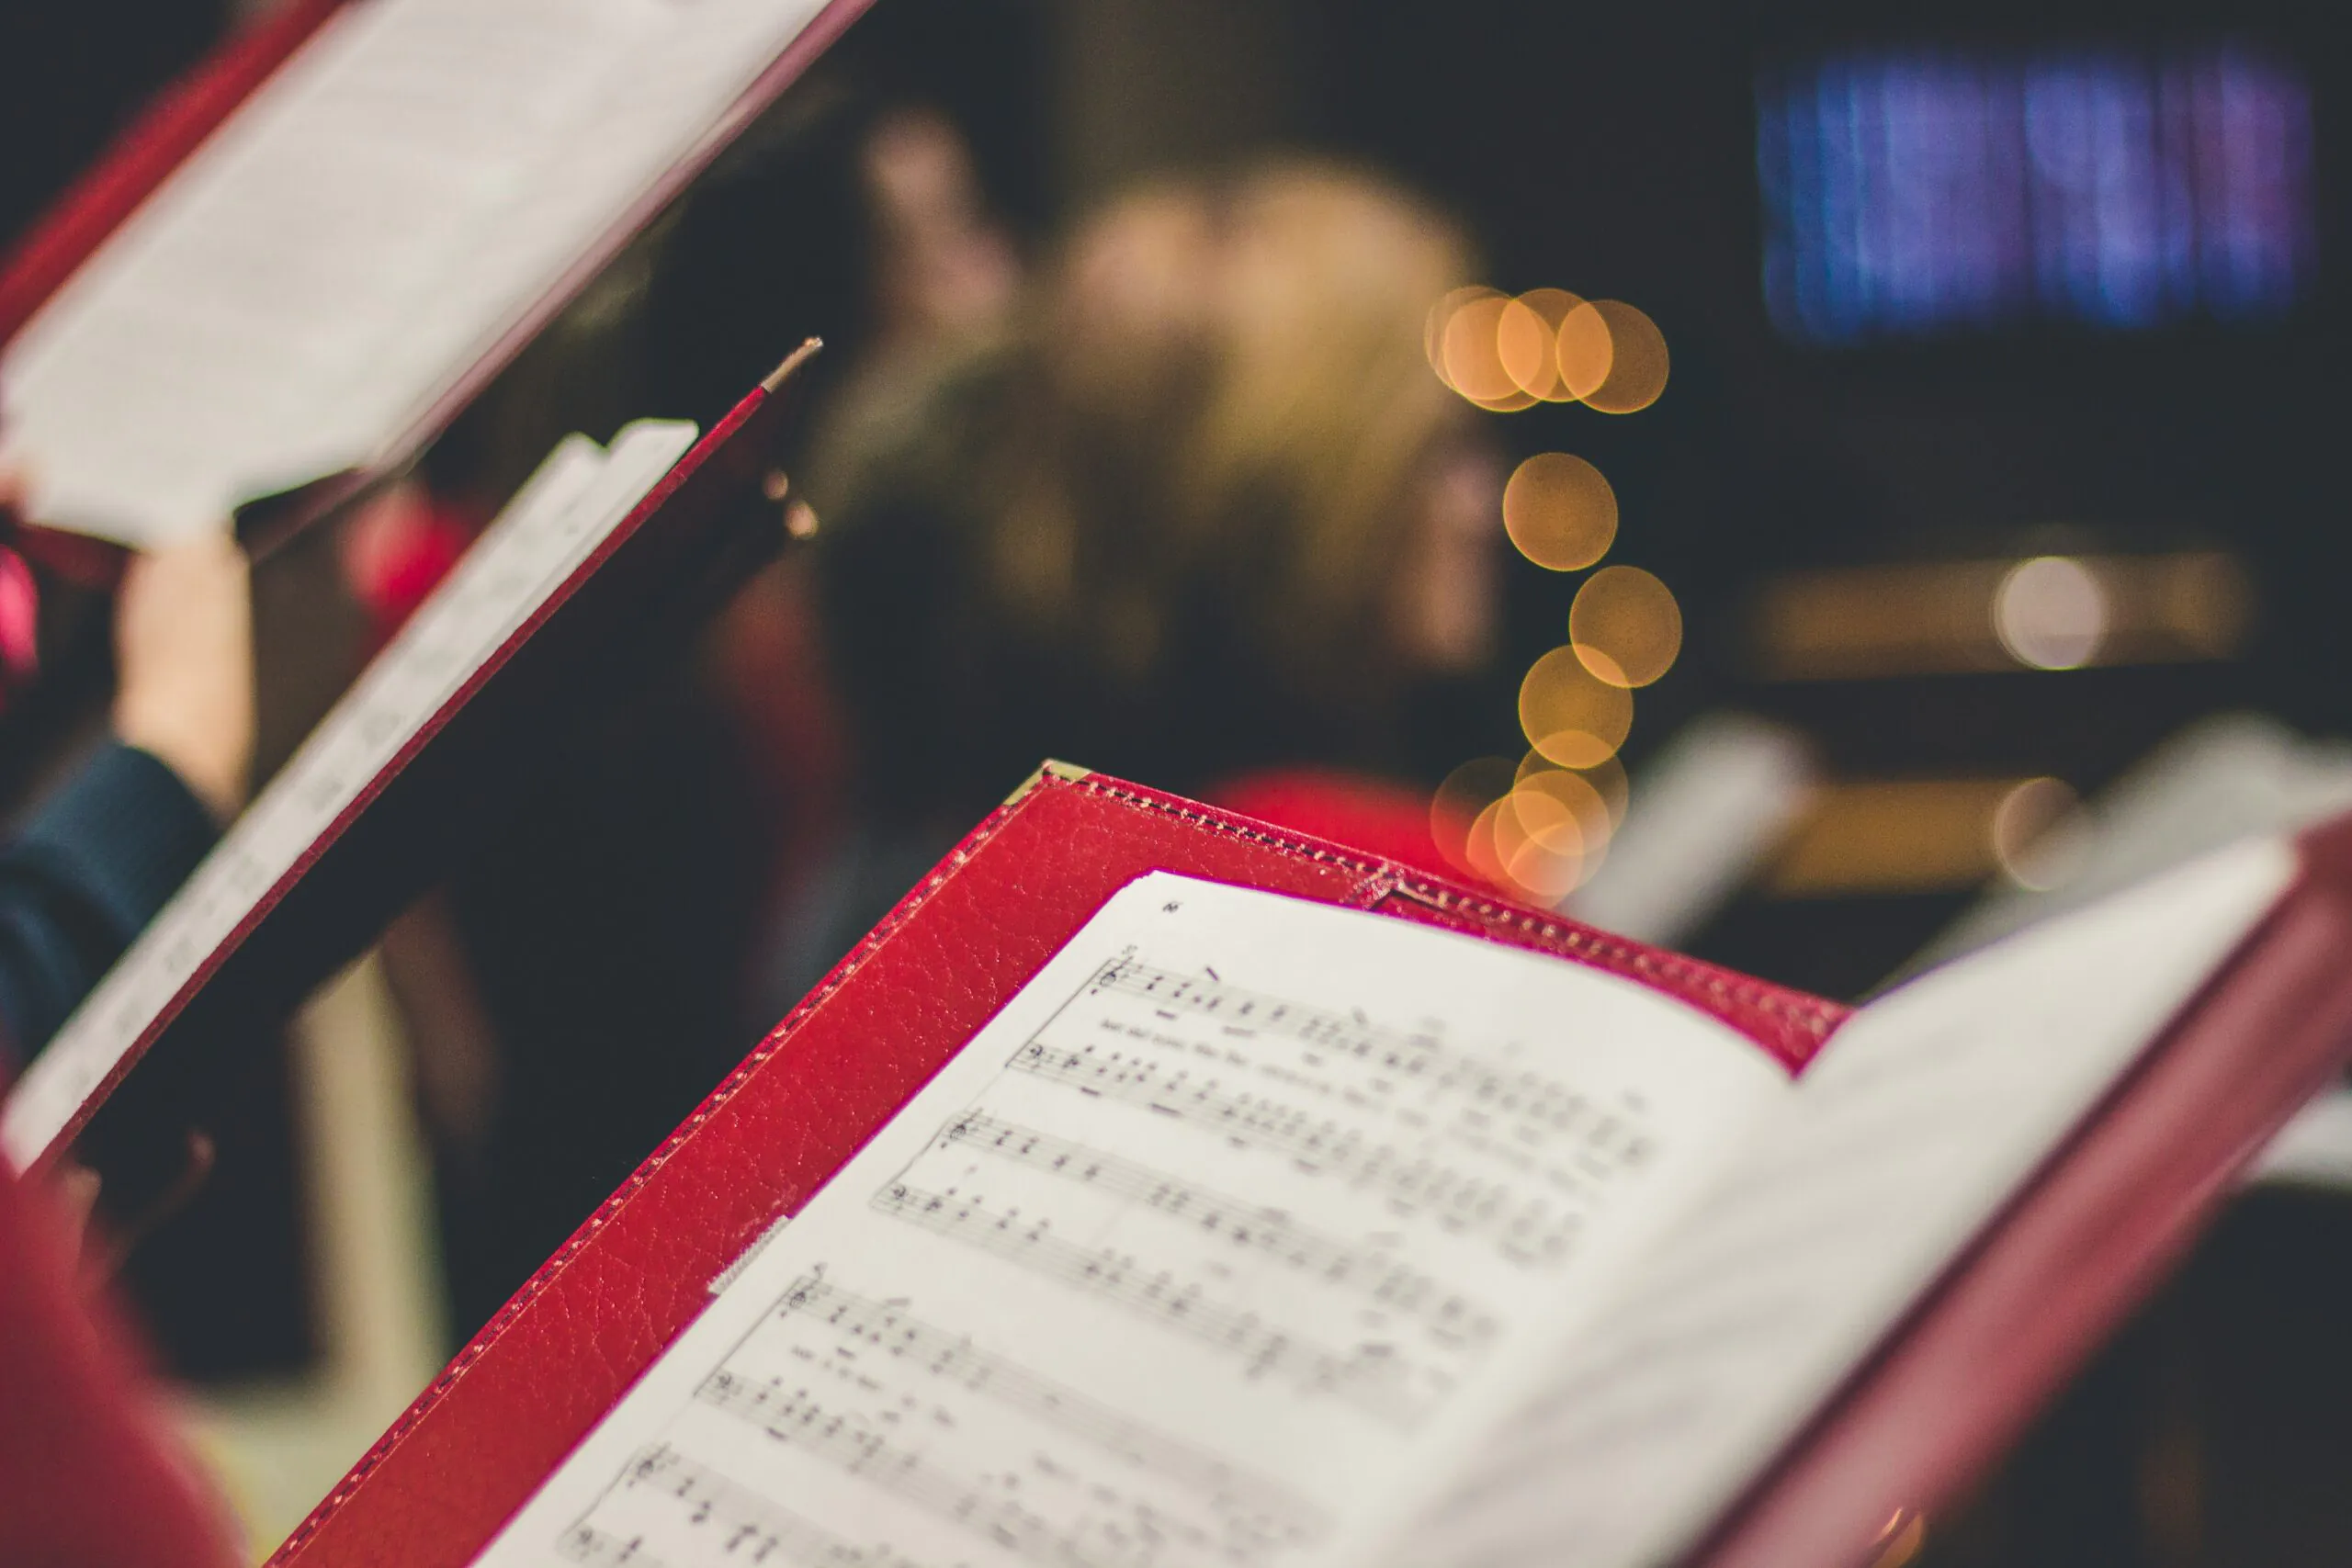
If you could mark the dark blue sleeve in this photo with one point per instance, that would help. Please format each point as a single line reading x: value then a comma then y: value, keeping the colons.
x: 85, y: 877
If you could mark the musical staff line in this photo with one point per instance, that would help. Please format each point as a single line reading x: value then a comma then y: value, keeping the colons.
x: 1394, y: 1286
x: 794, y: 1417
x: 583, y: 1542
x: 1527, y: 1230
x: 755, y: 1529
x: 1521, y: 1093
x: 1370, y: 1381
x: 1269, y: 1514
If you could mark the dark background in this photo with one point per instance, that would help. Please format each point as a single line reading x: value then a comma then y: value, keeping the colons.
x: 1610, y: 150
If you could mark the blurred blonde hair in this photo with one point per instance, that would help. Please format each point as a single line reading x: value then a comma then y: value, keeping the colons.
x: 1230, y: 396
x: 1156, y: 528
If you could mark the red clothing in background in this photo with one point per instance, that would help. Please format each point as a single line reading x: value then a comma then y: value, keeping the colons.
x: 90, y: 1473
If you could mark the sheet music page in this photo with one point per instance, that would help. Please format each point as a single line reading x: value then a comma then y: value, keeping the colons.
x: 574, y: 499
x: 1913, y: 1127
x: 1217, y: 1246
x: 411, y: 184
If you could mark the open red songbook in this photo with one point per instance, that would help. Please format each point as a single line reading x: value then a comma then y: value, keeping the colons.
x: 302, y: 264
x: 1155, y: 1189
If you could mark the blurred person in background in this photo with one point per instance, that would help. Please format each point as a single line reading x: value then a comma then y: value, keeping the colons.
x: 1204, y: 518
x: 90, y: 1473
x: 99, y: 857
x: 938, y: 275
x: 579, y: 985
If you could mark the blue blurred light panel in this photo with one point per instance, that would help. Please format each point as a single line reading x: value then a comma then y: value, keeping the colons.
x: 1918, y: 192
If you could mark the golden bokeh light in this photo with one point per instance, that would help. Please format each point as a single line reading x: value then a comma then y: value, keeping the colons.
x: 2037, y: 833
x: 1467, y: 791
x: 1926, y: 835
x: 1560, y: 511
x: 1527, y: 342
x: 1510, y: 403
x: 1541, y: 818
x: 1537, y: 874
x: 2050, y: 613
x: 1581, y: 749
x: 1441, y: 315
x: 1479, y: 849
x: 1607, y: 778
x: 1473, y: 359
x: 2054, y: 613
x: 1569, y: 715
x: 1560, y: 809
x: 1584, y: 351
x: 1602, y: 666
x: 1626, y: 627
x: 1541, y: 867
x: 1612, y: 356
x: 1536, y: 830
x: 1523, y: 348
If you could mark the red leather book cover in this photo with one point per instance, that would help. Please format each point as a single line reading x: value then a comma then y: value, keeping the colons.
x: 478, y: 1442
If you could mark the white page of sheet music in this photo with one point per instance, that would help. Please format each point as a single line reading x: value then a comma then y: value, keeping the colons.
x: 412, y: 182
x: 1921, y: 1118
x: 1214, y: 1247
x: 575, y: 498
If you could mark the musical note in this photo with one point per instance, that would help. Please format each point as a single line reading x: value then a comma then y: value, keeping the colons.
x: 1391, y: 1284
x: 1403, y: 1056
x: 585, y: 1543
x: 792, y: 1415
x: 1376, y: 1380
x: 1258, y: 1511
x: 1413, y: 1057
x: 1164, y: 1272
x: 746, y: 1527
x: 1537, y: 1229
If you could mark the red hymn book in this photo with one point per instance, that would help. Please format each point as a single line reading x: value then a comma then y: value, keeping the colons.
x: 1154, y: 1186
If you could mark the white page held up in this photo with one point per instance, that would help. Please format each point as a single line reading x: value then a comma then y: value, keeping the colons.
x: 1923, y: 1116
x: 577, y: 497
x: 1214, y: 1247
x: 414, y: 182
